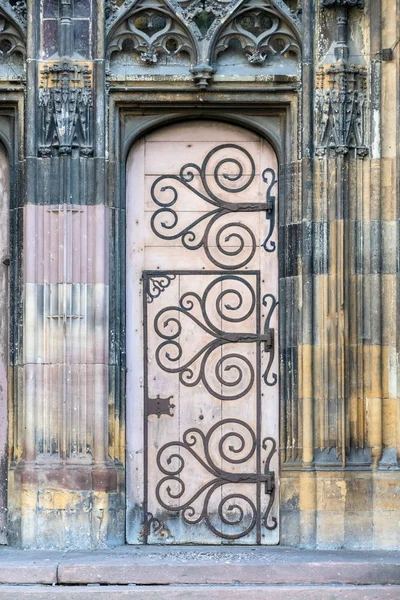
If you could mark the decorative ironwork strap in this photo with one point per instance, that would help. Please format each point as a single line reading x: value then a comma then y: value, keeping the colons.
x: 165, y: 221
x: 170, y: 320
x: 236, y: 446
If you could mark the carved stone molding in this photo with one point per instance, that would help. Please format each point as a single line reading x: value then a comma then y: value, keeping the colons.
x: 341, y: 107
x: 66, y: 105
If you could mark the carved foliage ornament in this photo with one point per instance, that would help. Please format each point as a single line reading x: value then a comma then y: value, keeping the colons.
x: 66, y: 104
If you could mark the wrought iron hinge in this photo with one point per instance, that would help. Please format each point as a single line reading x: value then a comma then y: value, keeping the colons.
x: 268, y: 521
x: 269, y: 176
x: 160, y: 406
x: 269, y: 476
x: 270, y: 483
x: 269, y: 338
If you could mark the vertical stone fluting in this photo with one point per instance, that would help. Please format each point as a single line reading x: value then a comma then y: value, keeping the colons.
x: 4, y: 337
x: 67, y: 484
x: 307, y: 480
x: 340, y: 144
x: 372, y: 330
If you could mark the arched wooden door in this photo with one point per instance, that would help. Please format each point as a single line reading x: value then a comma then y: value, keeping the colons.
x: 202, y: 380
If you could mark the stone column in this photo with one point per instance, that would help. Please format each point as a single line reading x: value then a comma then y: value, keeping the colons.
x: 65, y: 479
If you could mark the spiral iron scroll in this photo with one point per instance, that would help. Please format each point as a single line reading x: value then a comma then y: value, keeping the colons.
x: 233, y: 371
x: 165, y: 220
x: 235, y: 510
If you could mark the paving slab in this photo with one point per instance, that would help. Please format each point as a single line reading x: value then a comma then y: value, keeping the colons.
x: 154, y: 566
x: 199, y: 565
x: 200, y: 593
x: 28, y: 566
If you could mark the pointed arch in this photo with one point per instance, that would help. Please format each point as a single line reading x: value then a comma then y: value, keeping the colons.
x: 12, y: 31
x: 15, y: 12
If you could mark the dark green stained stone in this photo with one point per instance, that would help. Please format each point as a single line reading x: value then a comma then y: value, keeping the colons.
x: 204, y: 20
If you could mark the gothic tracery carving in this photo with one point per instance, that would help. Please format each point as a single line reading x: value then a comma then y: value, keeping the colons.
x: 205, y: 15
x: 11, y: 39
x: 153, y: 33
x: 193, y: 34
x: 261, y: 33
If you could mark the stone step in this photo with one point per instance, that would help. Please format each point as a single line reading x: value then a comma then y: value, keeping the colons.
x: 215, y: 572
x: 228, y: 568
x: 200, y: 592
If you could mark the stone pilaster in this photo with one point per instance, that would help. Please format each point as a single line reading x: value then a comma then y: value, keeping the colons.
x: 65, y: 484
x: 4, y: 325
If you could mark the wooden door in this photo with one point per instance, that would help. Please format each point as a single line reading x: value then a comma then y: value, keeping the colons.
x: 202, y: 380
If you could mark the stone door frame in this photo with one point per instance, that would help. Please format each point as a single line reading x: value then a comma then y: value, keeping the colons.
x: 275, y: 119
x: 11, y: 118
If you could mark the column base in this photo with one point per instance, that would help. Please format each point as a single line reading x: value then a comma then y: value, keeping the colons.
x: 66, y: 505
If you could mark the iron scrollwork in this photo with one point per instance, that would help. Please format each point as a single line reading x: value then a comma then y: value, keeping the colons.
x: 156, y: 285
x: 237, y: 445
x: 233, y: 372
x: 232, y: 174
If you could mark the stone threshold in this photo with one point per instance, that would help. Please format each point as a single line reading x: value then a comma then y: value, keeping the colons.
x: 195, y: 565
